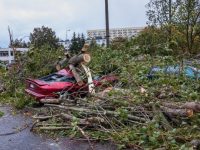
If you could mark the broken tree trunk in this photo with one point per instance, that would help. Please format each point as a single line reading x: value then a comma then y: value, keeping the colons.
x: 96, y: 112
x: 76, y: 75
x: 177, y: 112
x: 78, y: 59
x: 195, y: 106
x: 60, y: 63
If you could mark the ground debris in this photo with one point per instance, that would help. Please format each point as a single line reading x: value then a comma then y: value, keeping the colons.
x: 106, y: 114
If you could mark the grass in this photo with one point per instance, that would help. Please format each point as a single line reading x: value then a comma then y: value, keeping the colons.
x: 1, y: 114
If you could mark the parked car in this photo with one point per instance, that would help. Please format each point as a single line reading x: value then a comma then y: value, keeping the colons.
x: 61, y: 81
x: 188, y: 71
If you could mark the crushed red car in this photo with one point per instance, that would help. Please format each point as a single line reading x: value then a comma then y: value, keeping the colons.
x: 61, y: 81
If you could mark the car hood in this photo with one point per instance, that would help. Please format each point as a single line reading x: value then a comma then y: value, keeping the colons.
x: 36, y: 81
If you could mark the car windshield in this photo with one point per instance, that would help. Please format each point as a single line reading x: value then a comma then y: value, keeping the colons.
x: 57, y: 78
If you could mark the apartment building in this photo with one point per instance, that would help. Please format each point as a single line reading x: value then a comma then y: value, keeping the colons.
x: 115, y: 32
x: 6, y: 54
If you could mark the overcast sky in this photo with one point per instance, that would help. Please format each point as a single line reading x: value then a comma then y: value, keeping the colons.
x: 60, y: 15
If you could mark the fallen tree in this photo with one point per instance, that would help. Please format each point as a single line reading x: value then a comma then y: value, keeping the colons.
x: 116, y: 111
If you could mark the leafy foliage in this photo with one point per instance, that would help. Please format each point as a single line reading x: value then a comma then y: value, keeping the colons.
x: 162, y: 12
x: 41, y: 61
x: 188, y: 15
x: 153, y: 41
x: 174, y: 18
x: 44, y: 36
x: 132, y: 70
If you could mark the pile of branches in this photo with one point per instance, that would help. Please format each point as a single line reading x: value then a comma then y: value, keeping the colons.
x: 99, y: 111
x: 109, y: 114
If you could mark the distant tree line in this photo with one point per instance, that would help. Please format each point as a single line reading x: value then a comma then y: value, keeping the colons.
x: 19, y: 43
x: 46, y: 36
x: 77, y: 43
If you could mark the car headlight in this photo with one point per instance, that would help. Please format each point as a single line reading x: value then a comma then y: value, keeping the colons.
x: 32, y: 86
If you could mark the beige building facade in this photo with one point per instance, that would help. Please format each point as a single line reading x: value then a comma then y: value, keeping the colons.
x: 115, y: 32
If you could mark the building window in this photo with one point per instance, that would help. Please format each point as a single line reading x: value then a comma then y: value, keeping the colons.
x: 3, y: 53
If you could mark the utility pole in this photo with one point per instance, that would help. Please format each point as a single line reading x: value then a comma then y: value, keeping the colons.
x: 107, y: 24
x: 170, y: 20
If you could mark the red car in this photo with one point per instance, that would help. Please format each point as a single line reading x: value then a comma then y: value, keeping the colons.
x: 61, y: 81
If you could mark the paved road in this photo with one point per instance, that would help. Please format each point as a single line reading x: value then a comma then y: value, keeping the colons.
x: 26, y: 140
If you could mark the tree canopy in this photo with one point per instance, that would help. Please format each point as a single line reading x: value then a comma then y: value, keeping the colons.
x: 77, y: 43
x: 19, y: 43
x: 177, y: 19
x: 44, y: 36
